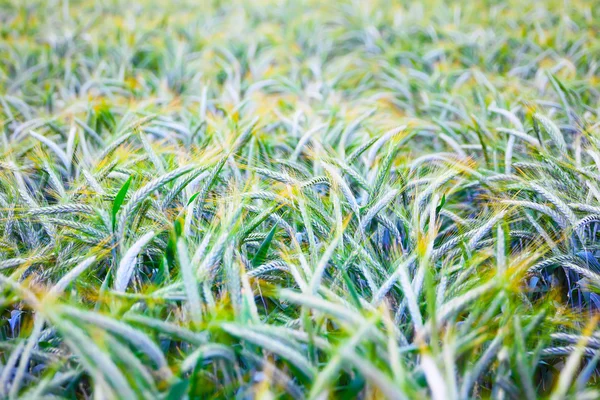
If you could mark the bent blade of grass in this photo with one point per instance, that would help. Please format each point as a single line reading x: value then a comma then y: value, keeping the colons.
x: 126, y: 267
x: 70, y: 276
x: 123, y: 330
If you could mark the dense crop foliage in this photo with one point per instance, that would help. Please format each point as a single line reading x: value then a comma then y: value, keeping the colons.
x: 299, y: 199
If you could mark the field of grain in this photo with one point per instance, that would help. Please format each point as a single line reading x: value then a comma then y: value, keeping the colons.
x: 260, y: 199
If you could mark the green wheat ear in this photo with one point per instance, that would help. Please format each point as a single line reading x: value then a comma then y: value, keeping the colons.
x: 314, y: 199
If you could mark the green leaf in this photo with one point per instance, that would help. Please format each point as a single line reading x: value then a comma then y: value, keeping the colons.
x: 261, y: 254
x: 351, y: 289
x: 178, y: 390
x: 442, y: 202
x: 119, y: 200
x: 192, y: 198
